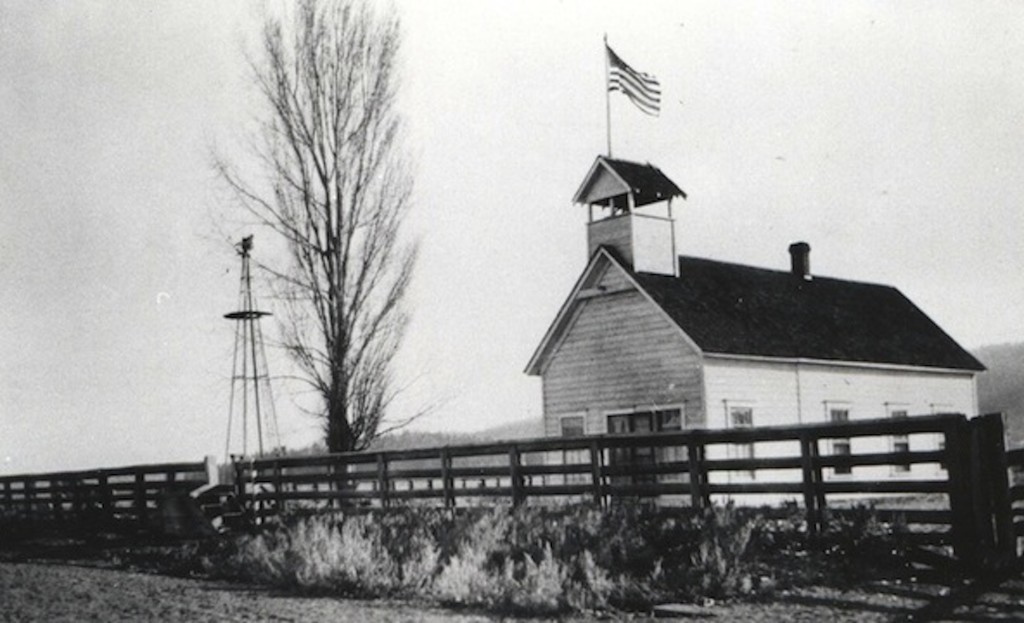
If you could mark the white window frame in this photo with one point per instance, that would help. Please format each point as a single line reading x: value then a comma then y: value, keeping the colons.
x: 741, y: 450
x: 681, y: 407
x: 892, y: 409
x: 835, y: 443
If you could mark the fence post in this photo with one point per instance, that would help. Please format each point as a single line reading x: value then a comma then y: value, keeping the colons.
x: 278, y: 489
x: 596, y: 462
x: 169, y: 479
x: 958, y: 456
x: 106, y: 497
x: 56, y: 499
x: 383, y: 486
x: 331, y: 476
x: 236, y: 467
x: 1006, y: 537
x: 991, y: 487
x: 695, y: 465
x: 77, y: 491
x: 981, y: 491
x: 239, y: 469
x: 29, y: 497
x: 210, y: 467
x: 258, y: 501
x: 808, y: 458
x: 515, y: 475
x: 140, y: 498
x: 447, y: 483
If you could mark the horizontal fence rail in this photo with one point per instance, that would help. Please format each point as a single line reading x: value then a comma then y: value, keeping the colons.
x: 954, y: 468
x: 692, y: 467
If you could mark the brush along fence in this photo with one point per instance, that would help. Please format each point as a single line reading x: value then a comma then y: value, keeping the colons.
x: 945, y: 478
x: 947, y: 461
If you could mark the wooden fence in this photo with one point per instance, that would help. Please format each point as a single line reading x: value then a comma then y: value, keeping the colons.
x: 125, y: 495
x: 956, y: 470
x: 968, y: 503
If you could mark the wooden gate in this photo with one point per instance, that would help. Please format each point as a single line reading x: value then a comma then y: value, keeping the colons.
x: 980, y: 495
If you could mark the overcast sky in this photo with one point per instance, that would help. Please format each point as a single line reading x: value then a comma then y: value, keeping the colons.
x: 887, y: 135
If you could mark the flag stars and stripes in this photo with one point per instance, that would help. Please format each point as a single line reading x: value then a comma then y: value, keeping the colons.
x: 642, y: 89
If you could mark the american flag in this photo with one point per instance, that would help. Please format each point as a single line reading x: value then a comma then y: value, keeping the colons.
x: 642, y: 89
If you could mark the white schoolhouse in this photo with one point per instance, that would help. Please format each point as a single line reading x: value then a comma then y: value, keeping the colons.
x: 652, y: 341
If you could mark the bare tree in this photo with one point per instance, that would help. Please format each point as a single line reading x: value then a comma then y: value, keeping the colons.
x: 335, y: 184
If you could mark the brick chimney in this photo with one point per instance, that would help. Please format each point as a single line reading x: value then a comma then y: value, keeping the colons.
x: 800, y: 260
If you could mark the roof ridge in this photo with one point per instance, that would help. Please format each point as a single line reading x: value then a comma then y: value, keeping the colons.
x: 815, y: 277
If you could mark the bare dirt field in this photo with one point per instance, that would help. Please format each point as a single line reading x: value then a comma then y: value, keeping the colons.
x: 36, y: 591
x: 57, y: 592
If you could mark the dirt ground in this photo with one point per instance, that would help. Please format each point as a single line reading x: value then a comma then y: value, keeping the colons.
x: 44, y: 591
x: 58, y: 592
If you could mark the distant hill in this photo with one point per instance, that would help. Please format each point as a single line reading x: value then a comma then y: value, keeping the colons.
x: 520, y: 429
x: 407, y: 439
x: 1001, y: 387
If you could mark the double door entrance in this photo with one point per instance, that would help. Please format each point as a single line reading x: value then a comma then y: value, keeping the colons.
x: 644, y: 423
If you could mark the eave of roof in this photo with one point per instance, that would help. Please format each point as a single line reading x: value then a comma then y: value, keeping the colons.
x: 645, y: 181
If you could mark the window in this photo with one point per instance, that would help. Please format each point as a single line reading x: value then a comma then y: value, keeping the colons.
x: 900, y: 443
x: 642, y: 422
x: 572, y: 426
x: 742, y: 417
x: 669, y: 420
x: 841, y: 445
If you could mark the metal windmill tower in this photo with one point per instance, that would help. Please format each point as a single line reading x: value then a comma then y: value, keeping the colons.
x: 250, y: 378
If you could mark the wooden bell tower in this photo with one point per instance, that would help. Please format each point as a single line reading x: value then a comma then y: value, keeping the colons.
x: 616, y: 190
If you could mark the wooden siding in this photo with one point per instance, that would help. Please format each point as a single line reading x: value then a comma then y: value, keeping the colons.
x: 602, y: 184
x: 620, y: 353
x: 783, y: 394
x: 782, y: 391
x: 616, y: 233
x: 612, y: 279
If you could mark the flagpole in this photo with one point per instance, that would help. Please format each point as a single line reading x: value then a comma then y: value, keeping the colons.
x: 607, y: 97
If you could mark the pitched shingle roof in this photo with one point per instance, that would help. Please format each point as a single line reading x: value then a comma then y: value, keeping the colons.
x: 646, y: 182
x: 742, y: 310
